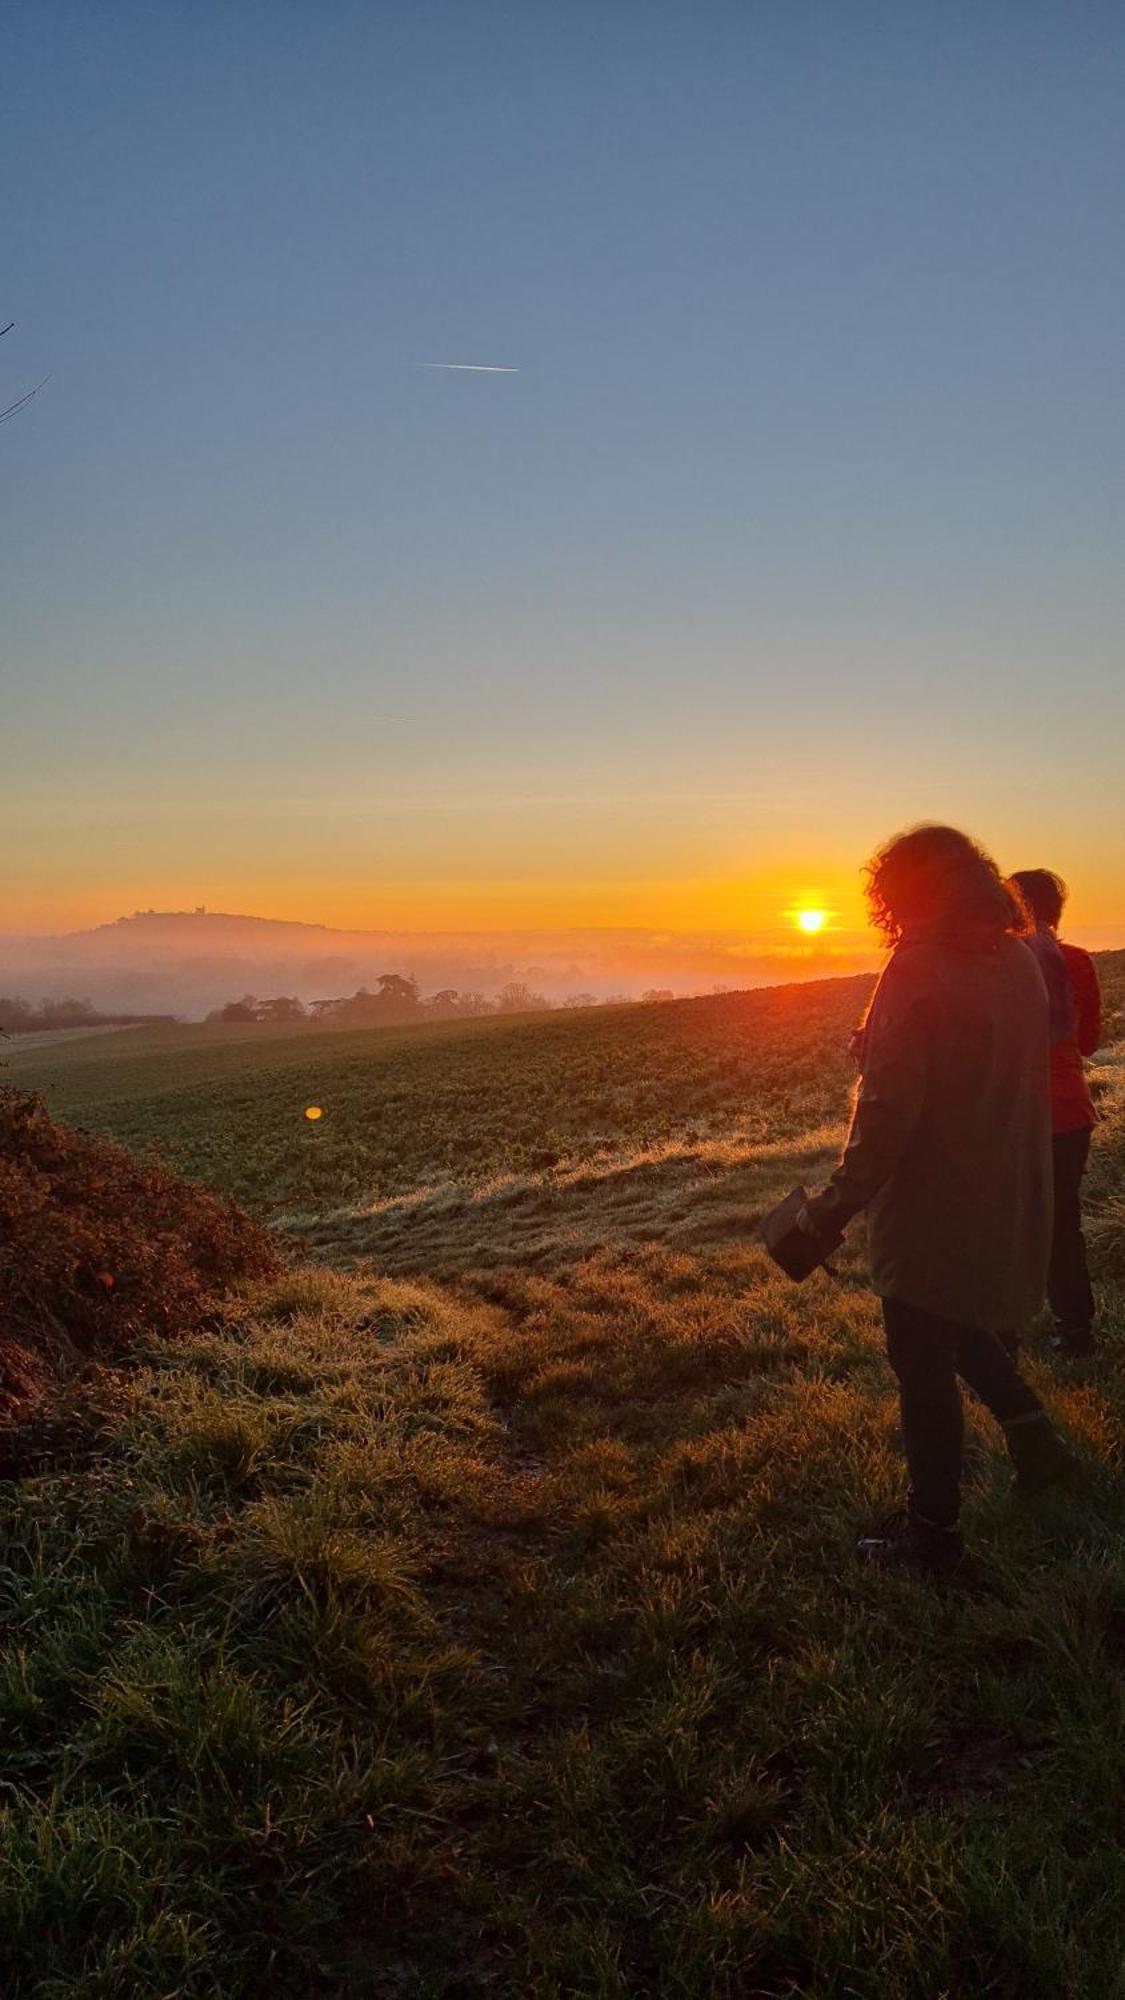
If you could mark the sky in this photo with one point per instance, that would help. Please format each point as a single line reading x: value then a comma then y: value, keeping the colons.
x: 800, y: 521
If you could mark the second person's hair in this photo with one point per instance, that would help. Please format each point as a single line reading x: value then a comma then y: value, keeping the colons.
x: 1042, y: 891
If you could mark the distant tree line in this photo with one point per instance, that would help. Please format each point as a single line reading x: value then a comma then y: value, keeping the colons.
x: 396, y: 999
x: 21, y: 1017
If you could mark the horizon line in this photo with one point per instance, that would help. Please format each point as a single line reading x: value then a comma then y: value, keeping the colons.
x: 761, y: 934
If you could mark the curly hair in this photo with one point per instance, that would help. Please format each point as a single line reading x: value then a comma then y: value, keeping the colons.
x: 1043, y: 891
x: 936, y: 876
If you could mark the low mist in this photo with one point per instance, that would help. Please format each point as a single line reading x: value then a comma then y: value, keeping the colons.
x: 190, y: 963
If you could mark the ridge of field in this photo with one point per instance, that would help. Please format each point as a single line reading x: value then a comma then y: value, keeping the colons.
x: 407, y: 1108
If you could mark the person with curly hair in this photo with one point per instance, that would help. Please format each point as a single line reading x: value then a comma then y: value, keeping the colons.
x: 949, y: 1153
x: 1076, y: 1029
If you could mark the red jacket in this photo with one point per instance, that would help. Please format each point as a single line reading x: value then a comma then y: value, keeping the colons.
x: 1071, y: 1108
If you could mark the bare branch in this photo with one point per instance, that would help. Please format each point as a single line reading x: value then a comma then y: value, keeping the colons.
x: 23, y: 401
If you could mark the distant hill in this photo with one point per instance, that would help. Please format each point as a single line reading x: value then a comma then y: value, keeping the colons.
x: 190, y: 961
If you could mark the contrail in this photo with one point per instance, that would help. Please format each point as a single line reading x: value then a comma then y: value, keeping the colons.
x: 468, y: 367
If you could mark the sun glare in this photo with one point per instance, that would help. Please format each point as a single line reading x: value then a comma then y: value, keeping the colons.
x: 811, y: 920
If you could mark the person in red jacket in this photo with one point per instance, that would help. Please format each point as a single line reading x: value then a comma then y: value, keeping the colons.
x: 1076, y: 1033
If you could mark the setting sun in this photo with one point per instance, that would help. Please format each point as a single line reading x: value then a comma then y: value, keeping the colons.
x: 811, y: 920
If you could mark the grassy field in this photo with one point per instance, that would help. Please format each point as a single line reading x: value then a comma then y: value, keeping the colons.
x: 481, y: 1618
x: 407, y: 1108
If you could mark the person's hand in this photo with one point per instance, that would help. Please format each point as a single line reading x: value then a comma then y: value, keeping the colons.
x: 793, y: 1238
x: 827, y: 1235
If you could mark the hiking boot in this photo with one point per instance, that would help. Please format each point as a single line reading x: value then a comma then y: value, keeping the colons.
x: 905, y: 1540
x: 1040, y: 1456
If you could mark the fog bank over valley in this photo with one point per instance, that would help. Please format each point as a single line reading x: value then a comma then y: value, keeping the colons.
x: 190, y: 962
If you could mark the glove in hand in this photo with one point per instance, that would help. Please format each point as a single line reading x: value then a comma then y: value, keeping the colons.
x: 792, y: 1238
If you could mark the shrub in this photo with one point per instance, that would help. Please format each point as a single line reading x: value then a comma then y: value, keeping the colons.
x: 98, y: 1248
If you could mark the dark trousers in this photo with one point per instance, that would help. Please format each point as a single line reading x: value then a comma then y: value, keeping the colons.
x: 928, y: 1355
x: 1068, y: 1281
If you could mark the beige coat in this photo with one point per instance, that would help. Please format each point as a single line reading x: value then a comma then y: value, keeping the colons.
x: 950, y: 1143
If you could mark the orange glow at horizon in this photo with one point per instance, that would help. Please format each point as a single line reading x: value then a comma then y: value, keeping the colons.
x: 779, y: 904
x: 764, y: 902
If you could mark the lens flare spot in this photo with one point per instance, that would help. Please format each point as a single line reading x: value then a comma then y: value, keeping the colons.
x: 313, y: 1111
x: 811, y: 921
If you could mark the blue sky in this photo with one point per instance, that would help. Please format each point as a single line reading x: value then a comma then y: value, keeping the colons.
x: 801, y: 519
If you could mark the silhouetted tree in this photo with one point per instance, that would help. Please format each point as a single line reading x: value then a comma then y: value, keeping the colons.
x: 68, y: 1013
x: 395, y: 1000
x: 397, y: 992
x: 285, y: 1008
x: 516, y: 998
x: 19, y: 1017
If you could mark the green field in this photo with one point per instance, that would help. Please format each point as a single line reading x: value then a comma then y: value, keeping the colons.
x: 480, y: 1617
x: 425, y: 1110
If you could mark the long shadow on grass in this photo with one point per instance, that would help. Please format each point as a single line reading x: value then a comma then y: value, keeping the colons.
x: 680, y: 1196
